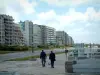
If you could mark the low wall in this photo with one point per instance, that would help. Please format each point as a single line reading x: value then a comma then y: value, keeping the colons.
x: 69, y: 66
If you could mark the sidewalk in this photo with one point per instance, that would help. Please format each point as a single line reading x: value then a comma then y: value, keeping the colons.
x: 35, y: 67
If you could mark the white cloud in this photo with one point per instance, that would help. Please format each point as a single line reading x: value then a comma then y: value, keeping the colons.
x: 27, y: 6
x: 47, y: 15
x: 65, y: 2
x: 15, y: 15
x: 17, y: 7
x: 4, y: 3
x: 79, y: 25
x: 71, y: 3
x: 5, y: 8
x: 60, y: 21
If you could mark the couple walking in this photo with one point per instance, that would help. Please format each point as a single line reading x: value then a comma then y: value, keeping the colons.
x: 43, y: 57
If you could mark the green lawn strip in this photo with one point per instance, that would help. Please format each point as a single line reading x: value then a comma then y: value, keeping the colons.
x: 30, y: 49
x: 28, y: 58
x: 5, y: 52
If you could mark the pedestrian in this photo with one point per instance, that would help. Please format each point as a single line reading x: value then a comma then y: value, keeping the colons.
x: 52, y: 59
x: 43, y: 58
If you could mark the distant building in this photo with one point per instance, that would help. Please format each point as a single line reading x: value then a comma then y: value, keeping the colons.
x: 27, y: 30
x: 18, y: 36
x: 51, y: 35
x: 37, y: 35
x: 10, y: 33
x: 48, y: 35
x: 62, y: 38
x: 6, y: 29
x: 29, y: 34
x: 70, y: 41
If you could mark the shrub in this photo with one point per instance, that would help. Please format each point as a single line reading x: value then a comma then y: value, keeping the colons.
x: 43, y: 46
x: 13, y: 48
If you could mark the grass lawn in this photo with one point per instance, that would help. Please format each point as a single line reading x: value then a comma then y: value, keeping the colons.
x: 28, y: 58
x: 5, y: 52
x: 30, y: 49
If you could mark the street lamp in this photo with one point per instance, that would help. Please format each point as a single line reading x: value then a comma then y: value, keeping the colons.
x: 32, y: 44
x: 90, y: 51
x: 32, y: 48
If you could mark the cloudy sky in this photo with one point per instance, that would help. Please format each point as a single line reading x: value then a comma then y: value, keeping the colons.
x: 79, y: 18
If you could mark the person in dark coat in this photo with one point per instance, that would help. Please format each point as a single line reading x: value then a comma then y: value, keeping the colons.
x: 52, y: 59
x: 43, y: 58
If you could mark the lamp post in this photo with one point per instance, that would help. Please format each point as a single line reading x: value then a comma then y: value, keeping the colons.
x: 90, y: 51
x: 32, y: 44
x: 32, y: 48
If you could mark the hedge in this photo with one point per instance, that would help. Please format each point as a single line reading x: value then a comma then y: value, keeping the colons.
x: 13, y: 48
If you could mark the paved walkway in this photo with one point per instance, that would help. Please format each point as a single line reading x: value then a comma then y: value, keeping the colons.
x: 34, y: 67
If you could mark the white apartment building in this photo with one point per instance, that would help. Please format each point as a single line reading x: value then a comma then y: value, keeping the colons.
x: 62, y: 38
x: 70, y: 40
x: 18, y: 36
x: 6, y: 29
x: 10, y: 33
x: 48, y: 35
x: 37, y: 35
x: 27, y: 30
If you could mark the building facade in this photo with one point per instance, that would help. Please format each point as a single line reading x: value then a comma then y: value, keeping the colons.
x: 29, y: 34
x: 51, y: 35
x: 18, y: 36
x: 48, y: 35
x: 70, y: 41
x: 10, y: 33
x: 62, y: 38
x: 6, y: 29
x: 27, y: 30
x: 37, y: 35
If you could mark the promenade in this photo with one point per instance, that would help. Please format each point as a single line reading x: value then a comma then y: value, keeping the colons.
x: 35, y: 67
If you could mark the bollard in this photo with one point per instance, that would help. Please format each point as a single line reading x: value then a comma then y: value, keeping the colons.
x: 68, y: 67
x: 69, y: 64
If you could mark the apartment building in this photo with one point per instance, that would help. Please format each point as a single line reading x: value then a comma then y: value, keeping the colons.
x: 37, y: 35
x: 27, y: 33
x: 27, y: 30
x: 70, y: 40
x: 48, y: 35
x: 6, y: 29
x: 62, y: 38
x: 18, y: 38
x: 10, y: 33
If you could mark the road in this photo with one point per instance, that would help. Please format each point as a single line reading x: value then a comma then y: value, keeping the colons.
x: 4, y: 57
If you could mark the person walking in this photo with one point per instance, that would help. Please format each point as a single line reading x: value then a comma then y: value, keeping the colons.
x: 52, y: 59
x: 43, y: 58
